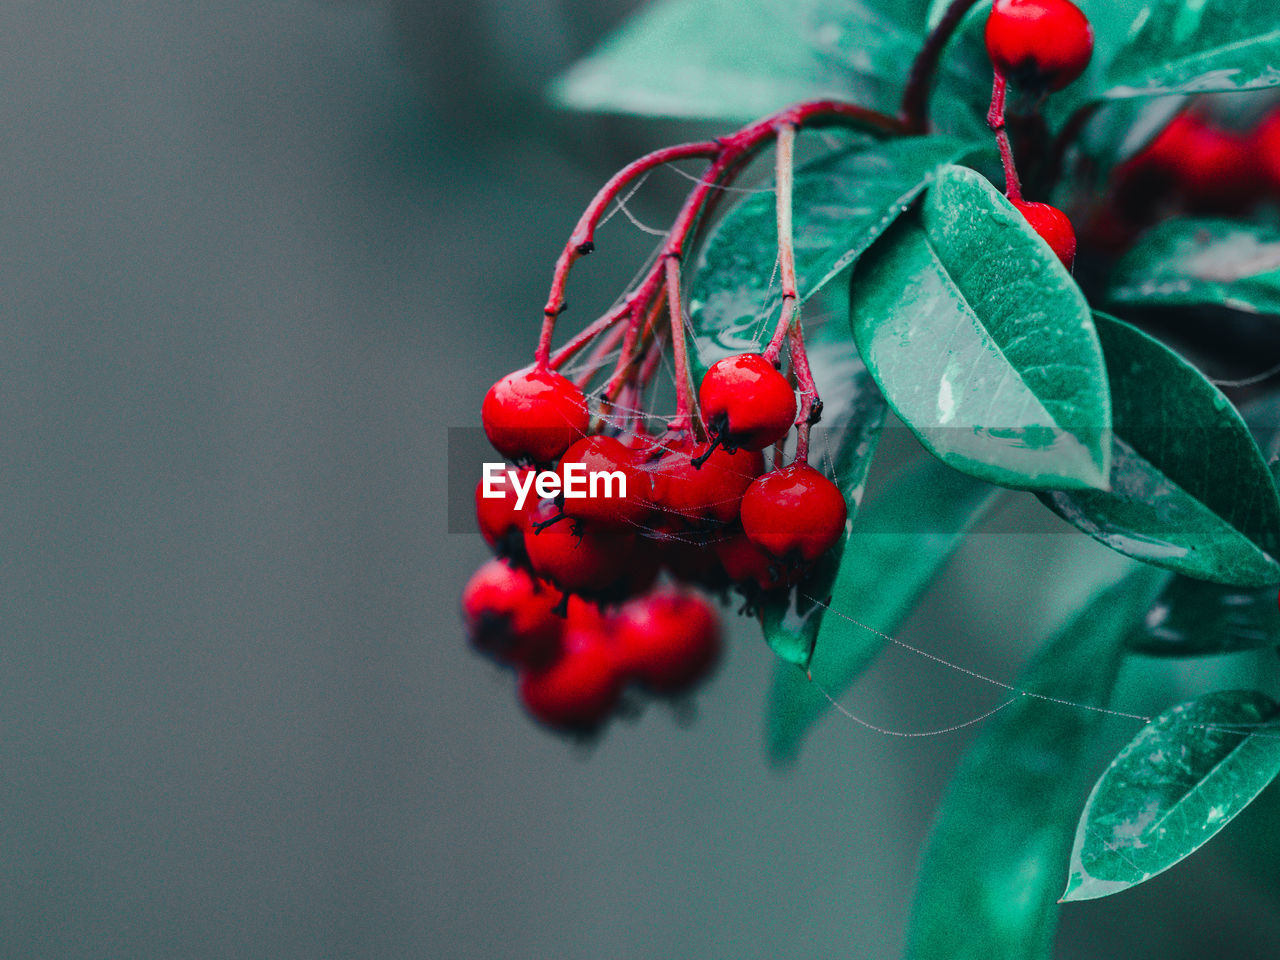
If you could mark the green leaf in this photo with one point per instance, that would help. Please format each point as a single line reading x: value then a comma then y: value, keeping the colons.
x: 1195, y: 262
x: 1192, y: 618
x: 866, y: 38
x: 1189, y: 488
x: 840, y: 204
x: 853, y: 412
x: 1178, y: 782
x: 1207, y: 46
x: 898, y: 544
x: 907, y: 15
x: 982, y: 343
x: 722, y: 59
x: 1005, y: 826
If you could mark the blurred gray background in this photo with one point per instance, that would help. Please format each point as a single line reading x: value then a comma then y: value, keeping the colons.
x: 255, y: 260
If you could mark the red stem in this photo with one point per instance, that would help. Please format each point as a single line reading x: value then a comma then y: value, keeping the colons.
x: 728, y: 155
x: 914, y: 112
x: 808, y: 389
x: 995, y: 120
x: 582, y: 240
x: 786, y: 245
x: 679, y: 348
x: 641, y: 322
x: 597, y: 359
x: 586, y: 335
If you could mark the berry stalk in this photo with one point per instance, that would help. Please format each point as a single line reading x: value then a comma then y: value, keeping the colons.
x: 679, y: 348
x: 914, y: 112
x: 784, y: 177
x: 995, y: 120
x: 728, y: 156
x: 582, y: 240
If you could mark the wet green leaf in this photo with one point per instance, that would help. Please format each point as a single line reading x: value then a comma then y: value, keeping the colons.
x: 1195, y: 262
x: 874, y: 41
x: 840, y: 204
x: 1004, y: 829
x: 853, y: 414
x: 1192, y: 618
x: 723, y: 59
x: 982, y: 343
x: 1190, y: 490
x: 1178, y: 782
x: 899, y: 543
x: 1212, y: 45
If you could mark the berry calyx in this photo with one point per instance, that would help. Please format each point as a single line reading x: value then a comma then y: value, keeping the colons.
x: 668, y: 641
x: 511, y: 617
x: 579, y: 690
x: 710, y: 492
x: 746, y: 402
x: 1044, y: 44
x: 1053, y: 226
x: 794, y: 514
x: 575, y: 556
x: 610, y: 466
x: 533, y: 415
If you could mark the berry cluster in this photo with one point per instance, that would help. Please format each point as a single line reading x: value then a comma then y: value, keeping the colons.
x: 712, y: 497
x: 1192, y: 166
x: 697, y: 505
x: 574, y: 661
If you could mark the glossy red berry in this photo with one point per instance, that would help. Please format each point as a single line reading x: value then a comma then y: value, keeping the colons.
x: 575, y: 556
x: 1040, y: 43
x: 579, y: 690
x: 497, y: 517
x: 712, y: 492
x: 608, y: 467
x: 533, y: 415
x: 669, y: 641
x: 512, y: 617
x: 746, y: 402
x: 1053, y: 226
x: 794, y: 514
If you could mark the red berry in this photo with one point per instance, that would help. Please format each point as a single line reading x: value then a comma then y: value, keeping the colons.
x: 533, y: 415
x: 1040, y: 43
x: 712, y: 492
x: 575, y: 556
x: 794, y: 513
x: 1213, y: 170
x: 669, y: 641
x: 745, y: 563
x: 1054, y: 226
x: 607, y: 455
x: 510, y: 616
x: 579, y: 690
x: 498, y: 517
x: 1265, y: 147
x: 746, y: 402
